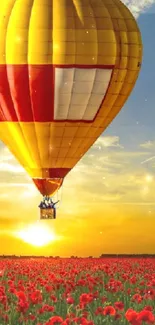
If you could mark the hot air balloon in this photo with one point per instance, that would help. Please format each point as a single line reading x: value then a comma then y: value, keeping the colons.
x: 66, y: 69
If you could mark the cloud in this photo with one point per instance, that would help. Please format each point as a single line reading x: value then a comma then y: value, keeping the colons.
x: 15, y: 185
x: 108, y: 141
x: 13, y: 176
x: 25, y: 189
x: 8, y: 163
x: 148, y: 145
x: 10, y: 168
x: 5, y: 155
x: 112, y: 196
x: 147, y: 160
x: 109, y: 176
x: 130, y: 154
x: 29, y: 193
x: 138, y: 6
x: 111, y: 162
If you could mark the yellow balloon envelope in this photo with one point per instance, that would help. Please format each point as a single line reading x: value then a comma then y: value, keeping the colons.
x: 66, y: 69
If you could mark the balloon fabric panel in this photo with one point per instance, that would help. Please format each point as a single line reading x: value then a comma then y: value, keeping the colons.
x: 66, y: 70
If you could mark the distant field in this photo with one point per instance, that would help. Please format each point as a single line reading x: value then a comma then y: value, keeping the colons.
x: 77, y: 291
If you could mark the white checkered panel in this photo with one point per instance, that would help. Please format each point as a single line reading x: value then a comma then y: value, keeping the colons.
x: 79, y: 92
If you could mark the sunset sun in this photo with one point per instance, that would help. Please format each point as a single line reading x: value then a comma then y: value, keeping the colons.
x: 37, y: 235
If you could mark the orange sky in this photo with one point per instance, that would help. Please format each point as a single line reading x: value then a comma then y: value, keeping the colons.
x: 108, y: 200
x: 100, y: 211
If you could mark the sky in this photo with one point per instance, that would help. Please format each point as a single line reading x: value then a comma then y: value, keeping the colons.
x: 107, y: 200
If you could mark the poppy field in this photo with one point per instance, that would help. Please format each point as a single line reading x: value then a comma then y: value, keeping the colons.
x: 77, y: 291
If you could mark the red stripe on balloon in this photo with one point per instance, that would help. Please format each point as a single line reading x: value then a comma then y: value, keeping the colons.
x: 18, y: 79
x: 42, y: 92
x: 55, y: 172
x: 2, y: 117
x: 6, y: 103
x: 84, y: 66
x: 27, y: 92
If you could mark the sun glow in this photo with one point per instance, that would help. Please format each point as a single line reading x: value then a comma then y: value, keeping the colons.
x: 37, y: 235
x: 149, y: 178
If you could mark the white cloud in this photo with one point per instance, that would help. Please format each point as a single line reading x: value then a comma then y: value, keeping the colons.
x: 7, y: 167
x: 30, y: 192
x: 138, y: 6
x: 131, y: 154
x: 8, y: 162
x: 108, y: 141
x: 24, y: 190
x: 147, y: 160
x: 16, y: 185
x: 5, y: 155
x: 110, y: 162
x: 148, y: 144
x: 111, y: 197
x: 113, y: 175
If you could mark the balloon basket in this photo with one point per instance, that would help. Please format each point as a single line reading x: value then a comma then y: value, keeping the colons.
x: 46, y: 214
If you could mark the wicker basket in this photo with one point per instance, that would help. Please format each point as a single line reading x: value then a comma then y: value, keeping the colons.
x: 47, y: 213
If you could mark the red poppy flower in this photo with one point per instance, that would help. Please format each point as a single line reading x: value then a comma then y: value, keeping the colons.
x: 85, y: 298
x: 54, y: 320
x: 21, y: 295
x: 137, y: 297
x: 99, y: 311
x: 103, y: 299
x: 109, y: 310
x: 70, y: 300
x: 131, y: 315
x: 22, y: 306
x: 146, y: 316
x: 119, y: 305
x: 117, y: 316
x: 150, y: 308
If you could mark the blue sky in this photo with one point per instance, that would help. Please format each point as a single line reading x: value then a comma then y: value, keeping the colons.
x: 151, y: 9
x: 136, y: 122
